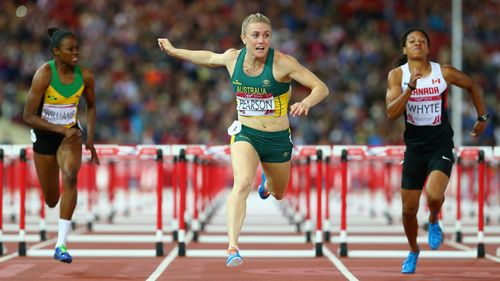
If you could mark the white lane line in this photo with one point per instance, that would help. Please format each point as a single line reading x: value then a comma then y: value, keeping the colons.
x: 107, y: 253
x: 211, y: 253
x: 466, y: 248
x: 8, y: 257
x: 261, y: 239
x: 164, y: 264
x: 339, y: 265
x: 403, y: 253
x: 168, y: 260
x: 39, y: 245
x: 486, y: 240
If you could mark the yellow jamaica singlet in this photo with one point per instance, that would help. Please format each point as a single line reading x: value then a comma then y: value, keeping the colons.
x: 60, y: 102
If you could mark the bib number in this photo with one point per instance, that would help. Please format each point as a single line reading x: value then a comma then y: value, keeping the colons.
x: 234, y: 128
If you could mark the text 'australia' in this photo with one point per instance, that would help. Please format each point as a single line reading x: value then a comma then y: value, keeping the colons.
x: 253, y: 90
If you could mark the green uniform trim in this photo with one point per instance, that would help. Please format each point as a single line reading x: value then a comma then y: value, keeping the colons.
x: 65, y: 90
x: 263, y: 83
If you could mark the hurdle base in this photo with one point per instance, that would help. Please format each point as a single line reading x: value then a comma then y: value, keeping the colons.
x: 182, y: 249
x: 343, y: 249
x: 319, y: 249
x: 481, y: 253
x: 175, y: 235
x: 195, y: 236
x: 43, y: 235
x: 308, y: 236
x: 389, y: 218
x: 1, y: 249
x: 327, y: 236
x: 73, y: 225
x: 159, y: 249
x: 458, y: 236
x: 22, y: 249
x: 89, y: 226
x: 298, y: 227
x: 111, y: 217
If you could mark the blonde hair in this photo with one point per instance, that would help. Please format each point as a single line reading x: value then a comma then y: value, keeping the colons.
x: 253, y: 18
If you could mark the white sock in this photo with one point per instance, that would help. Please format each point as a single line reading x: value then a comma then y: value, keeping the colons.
x: 62, y: 235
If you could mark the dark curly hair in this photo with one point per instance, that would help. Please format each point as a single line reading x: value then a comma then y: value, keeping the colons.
x: 403, y: 58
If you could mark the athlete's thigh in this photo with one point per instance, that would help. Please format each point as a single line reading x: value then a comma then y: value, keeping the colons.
x: 410, y: 199
x: 244, y: 160
x: 437, y: 181
x: 277, y: 175
x: 47, y: 170
x: 69, y: 155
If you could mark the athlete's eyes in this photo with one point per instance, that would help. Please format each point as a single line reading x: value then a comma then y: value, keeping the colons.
x: 256, y: 35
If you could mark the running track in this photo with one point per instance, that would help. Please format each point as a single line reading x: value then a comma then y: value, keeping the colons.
x: 265, y: 222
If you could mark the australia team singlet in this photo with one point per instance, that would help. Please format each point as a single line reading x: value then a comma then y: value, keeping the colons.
x: 60, y: 102
x: 426, y: 116
x: 261, y: 95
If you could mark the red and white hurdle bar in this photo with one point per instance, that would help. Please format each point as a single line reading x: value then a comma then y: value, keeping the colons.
x: 104, y: 151
x: 303, y: 156
x: 309, y: 151
x: 352, y: 153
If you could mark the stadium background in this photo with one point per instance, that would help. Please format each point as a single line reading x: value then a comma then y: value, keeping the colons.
x: 144, y: 96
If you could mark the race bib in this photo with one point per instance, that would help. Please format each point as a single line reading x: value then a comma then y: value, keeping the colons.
x: 60, y: 114
x: 424, y: 111
x: 234, y: 128
x: 250, y: 104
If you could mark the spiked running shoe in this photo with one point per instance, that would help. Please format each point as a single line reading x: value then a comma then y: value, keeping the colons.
x: 233, y: 257
x: 410, y: 264
x: 61, y: 254
x: 263, y: 192
x: 435, y: 236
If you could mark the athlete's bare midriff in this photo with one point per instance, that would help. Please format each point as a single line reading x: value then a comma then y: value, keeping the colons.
x: 266, y: 124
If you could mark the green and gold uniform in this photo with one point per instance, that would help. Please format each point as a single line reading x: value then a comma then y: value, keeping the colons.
x: 59, y: 106
x: 262, y: 97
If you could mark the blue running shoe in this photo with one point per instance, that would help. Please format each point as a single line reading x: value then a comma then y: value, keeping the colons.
x: 435, y: 236
x: 61, y: 254
x: 233, y: 257
x: 263, y: 192
x: 410, y: 264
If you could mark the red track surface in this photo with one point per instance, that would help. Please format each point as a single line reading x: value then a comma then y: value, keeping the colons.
x: 262, y: 269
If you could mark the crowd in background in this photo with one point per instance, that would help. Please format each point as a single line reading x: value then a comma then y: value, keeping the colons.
x: 145, y: 96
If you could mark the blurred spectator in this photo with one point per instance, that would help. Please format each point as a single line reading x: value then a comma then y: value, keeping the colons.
x: 145, y: 97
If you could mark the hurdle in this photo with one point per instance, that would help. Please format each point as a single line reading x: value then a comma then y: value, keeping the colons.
x: 211, y: 173
x: 315, y: 154
x: 155, y: 153
x: 350, y: 153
